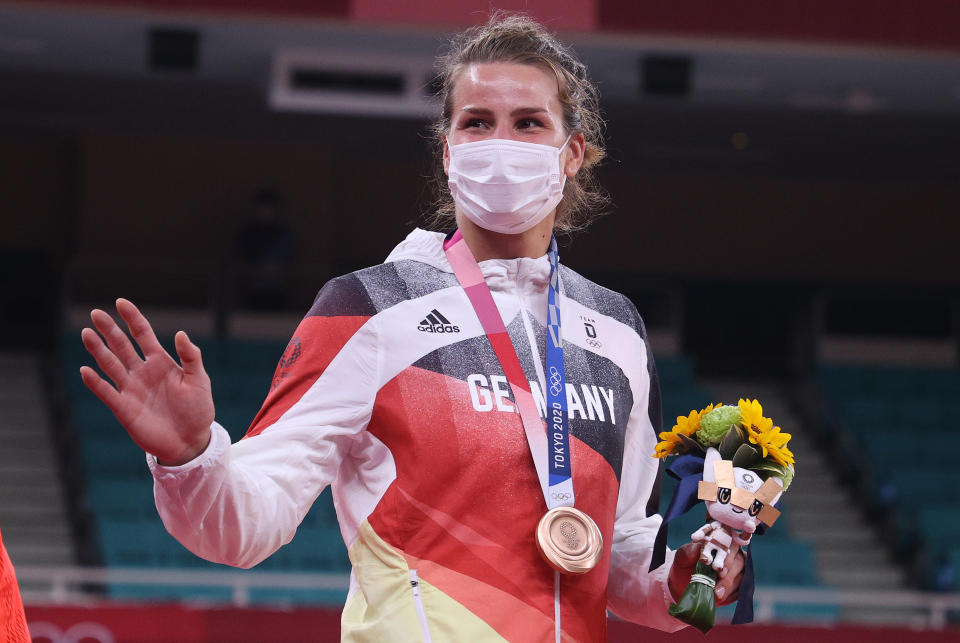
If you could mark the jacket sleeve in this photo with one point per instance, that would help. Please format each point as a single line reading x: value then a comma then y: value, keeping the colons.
x: 633, y: 593
x: 237, y: 504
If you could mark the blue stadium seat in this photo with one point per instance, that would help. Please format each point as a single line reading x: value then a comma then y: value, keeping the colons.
x: 92, y: 418
x: 135, y: 543
x: 938, y: 524
x: 840, y: 381
x: 800, y: 613
x: 674, y: 371
x: 240, y: 386
x: 246, y: 355
x: 784, y: 562
x: 296, y: 597
x: 122, y: 498
x: 677, y: 402
x: 319, y: 549
x: 117, y: 456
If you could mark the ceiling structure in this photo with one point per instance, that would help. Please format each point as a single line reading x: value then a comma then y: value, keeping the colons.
x: 878, y: 23
x: 674, y: 100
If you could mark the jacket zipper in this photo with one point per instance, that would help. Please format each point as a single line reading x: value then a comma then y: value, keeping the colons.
x: 532, y: 340
x: 418, y: 602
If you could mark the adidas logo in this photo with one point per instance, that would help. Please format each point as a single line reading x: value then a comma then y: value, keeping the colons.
x: 436, y: 323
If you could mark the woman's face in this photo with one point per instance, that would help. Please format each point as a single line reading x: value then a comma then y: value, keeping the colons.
x: 510, y: 101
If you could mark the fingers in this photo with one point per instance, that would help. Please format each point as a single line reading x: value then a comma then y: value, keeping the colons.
x: 99, y: 387
x: 728, y: 590
x: 734, y: 561
x: 728, y: 583
x: 140, y: 328
x: 105, y: 359
x: 189, y: 353
x: 116, y: 339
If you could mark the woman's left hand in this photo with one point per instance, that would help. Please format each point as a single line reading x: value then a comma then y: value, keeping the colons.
x: 728, y: 581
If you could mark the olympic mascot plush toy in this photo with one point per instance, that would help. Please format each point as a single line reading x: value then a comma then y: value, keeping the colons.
x: 737, y: 500
x: 738, y: 463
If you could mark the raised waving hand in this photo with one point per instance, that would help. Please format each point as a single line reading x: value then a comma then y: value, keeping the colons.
x: 167, y: 408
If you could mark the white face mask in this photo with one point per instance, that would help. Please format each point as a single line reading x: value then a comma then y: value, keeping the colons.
x: 506, y: 186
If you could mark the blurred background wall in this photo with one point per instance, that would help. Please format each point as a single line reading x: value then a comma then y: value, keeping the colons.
x: 787, y: 151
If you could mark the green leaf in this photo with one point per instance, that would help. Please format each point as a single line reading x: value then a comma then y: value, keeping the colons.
x: 746, y: 456
x: 731, y: 442
x: 697, y: 605
x: 691, y: 445
x: 767, y: 469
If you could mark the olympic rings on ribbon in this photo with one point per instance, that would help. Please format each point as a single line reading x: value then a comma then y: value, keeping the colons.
x: 554, y: 380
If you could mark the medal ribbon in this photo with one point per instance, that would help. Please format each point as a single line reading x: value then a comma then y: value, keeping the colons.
x: 554, y: 472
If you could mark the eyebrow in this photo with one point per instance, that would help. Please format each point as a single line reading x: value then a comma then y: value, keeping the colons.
x: 520, y: 111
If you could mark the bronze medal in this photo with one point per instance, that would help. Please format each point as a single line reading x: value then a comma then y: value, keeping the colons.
x: 569, y: 540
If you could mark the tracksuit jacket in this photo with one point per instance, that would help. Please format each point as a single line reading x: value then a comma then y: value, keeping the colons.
x: 391, y: 393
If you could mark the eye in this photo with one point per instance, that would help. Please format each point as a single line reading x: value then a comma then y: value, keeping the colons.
x: 474, y: 122
x: 723, y: 495
x: 528, y: 123
x: 755, y: 508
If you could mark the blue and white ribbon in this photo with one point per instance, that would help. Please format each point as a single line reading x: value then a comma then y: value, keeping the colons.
x: 558, y: 434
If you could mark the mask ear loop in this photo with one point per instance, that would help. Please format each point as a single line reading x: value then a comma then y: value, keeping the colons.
x: 563, y: 174
x: 563, y: 146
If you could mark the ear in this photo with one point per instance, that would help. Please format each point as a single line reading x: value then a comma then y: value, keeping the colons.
x: 708, y: 471
x: 446, y: 157
x: 576, y: 149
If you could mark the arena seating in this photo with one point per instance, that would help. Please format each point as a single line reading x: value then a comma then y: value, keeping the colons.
x: 898, y: 426
x: 119, y: 489
x: 679, y: 391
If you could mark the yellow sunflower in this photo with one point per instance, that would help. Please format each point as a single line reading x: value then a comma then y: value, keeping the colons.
x: 670, y: 441
x: 772, y: 442
x: 687, y: 426
x: 751, y: 413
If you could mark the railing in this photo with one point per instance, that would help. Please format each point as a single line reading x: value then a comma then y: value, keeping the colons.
x: 932, y: 607
x: 62, y: 582
x: 62, y: 587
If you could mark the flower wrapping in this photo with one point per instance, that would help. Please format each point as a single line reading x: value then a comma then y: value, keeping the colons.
x: 697, y: 606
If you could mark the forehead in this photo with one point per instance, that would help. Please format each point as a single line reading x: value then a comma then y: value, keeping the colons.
x: 492, y: 85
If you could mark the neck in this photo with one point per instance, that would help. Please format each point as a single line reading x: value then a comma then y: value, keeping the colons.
x: 485, y: 244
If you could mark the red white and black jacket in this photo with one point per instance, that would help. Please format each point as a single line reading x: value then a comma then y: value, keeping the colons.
x: 391, y: 393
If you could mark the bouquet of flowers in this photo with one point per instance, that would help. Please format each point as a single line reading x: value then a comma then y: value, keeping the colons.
x: 738, y: 463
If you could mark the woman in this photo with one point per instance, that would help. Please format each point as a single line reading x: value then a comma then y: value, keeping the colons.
x: 410, y: 387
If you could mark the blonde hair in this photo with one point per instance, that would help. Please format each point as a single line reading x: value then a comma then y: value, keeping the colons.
x: 518, y: 39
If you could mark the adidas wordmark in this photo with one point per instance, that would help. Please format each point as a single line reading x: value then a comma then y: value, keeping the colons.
x: 434, y: 322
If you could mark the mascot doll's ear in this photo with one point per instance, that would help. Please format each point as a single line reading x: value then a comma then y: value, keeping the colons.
x: 709, y: 474
x: 707, y: 489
